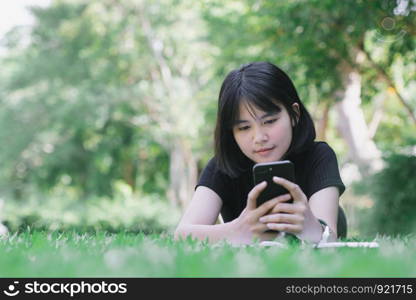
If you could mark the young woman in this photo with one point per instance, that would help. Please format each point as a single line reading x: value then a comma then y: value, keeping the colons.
x: 261, y: 119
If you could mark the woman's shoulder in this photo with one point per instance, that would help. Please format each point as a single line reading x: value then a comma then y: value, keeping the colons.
x: 317, y: 153
x: 213, y: 178
x: 320, y: 148
x: 212, y: 168
x: 212, y: 164
x: 321, y: 169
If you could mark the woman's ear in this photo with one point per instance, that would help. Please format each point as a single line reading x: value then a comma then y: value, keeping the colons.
x: 296, y: 109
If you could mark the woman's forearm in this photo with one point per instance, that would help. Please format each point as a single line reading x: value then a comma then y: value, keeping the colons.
x: 314, y: 232
x: 214, y: 233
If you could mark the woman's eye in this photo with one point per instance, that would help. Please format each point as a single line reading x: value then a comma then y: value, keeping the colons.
x: 271, y: 121
x: 243, y: 128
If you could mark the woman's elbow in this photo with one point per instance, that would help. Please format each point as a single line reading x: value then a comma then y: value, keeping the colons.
x: 179, y: 233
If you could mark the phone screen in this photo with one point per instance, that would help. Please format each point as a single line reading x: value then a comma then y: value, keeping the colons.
x: 266, y: 171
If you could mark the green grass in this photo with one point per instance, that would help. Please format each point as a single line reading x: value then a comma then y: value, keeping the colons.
x: 71, y: 254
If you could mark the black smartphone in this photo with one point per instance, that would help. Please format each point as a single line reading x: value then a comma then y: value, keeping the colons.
x: 266, y: 171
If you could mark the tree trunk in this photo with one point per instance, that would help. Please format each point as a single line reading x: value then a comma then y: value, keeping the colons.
x: 130, y: 172
x: 183, y: 174
x: 323, y: 124
x: 378, y: 114
x: 352, y: 125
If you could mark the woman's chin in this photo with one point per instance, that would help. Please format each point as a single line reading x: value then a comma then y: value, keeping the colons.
x: 266, y: 159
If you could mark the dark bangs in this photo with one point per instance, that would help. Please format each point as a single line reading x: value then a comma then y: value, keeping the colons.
x: 264, y: 86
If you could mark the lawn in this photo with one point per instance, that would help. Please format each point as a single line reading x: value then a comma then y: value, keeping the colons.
x: 73, y: 254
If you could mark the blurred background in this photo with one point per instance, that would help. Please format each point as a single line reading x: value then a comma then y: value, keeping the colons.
x: 107, y: 108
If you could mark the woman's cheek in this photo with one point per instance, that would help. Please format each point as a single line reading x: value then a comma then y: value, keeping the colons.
x: 241, y: 139
x: 282, y: 136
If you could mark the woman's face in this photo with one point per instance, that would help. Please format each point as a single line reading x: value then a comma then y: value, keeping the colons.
x: 262, y: 136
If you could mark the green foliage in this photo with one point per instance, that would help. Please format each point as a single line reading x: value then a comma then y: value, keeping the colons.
x: 67, y: 120
x: 74, y: 254
x: 97, y: 91
x: 137, y: 213
x: 393, y: 189
x: 124, y: 212
x: 311, y: 39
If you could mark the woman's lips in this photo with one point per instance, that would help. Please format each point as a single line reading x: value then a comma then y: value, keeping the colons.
x: 264, y: 151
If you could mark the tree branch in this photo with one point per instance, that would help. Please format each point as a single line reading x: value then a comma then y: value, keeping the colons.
x: 390, y: 82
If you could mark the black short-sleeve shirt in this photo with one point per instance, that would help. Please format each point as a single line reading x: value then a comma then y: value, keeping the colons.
x: 315, y: 169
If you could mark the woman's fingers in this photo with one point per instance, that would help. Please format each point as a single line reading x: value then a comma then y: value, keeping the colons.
x: 254, y: 193
x: 282, y: 218
x: 291, y: 228
x: 260, y: 227
x: 268, y: 205
x: 287, y: 208
x: 293, y: 188
x: 283, y: 198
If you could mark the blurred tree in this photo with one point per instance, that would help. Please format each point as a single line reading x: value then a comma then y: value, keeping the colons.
x: 393, y: 190
x: 65, y: 116
x: 100, y: 91
x: 104, y: 90
x: 328, y: 48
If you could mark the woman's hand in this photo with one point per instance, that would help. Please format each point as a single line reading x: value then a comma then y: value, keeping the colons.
x: 247, y: 226
x: 297, y: 217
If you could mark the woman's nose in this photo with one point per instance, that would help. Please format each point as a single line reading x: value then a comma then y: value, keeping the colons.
x: 260, y: 135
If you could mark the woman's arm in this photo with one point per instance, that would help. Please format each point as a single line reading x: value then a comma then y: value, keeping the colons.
x: 324, y: 206
x: 200, y: 216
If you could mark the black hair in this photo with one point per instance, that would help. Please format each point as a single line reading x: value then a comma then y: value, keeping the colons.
x: 263, y: 85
